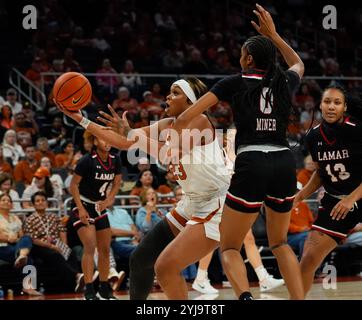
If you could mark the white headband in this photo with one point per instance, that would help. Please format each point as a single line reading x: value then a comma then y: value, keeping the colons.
x: 186, y: 88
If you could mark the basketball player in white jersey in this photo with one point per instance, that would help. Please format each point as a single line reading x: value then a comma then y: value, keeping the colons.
x: 202, y: 174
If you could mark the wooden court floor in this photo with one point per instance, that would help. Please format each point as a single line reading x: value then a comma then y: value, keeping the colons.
x: 347, y: 288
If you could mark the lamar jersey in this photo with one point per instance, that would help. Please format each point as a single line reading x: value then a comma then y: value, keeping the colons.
x: 97, y: 175
x: 338, y: 150
x: 258, y: 117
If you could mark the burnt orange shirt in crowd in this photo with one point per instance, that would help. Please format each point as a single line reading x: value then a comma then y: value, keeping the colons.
x: 24, y: 171
x: 49, y: 154
x: 60, y: 160
x: 304, y: 176
x: 301, y: 219
x: 6, y: 167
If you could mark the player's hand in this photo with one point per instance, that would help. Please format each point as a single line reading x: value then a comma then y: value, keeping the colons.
x: 75, y: 115
x: 115, y: 122
x: 341, y: 209
x: 102, y: 205
x: 266, y: 25
x: 83, y: 216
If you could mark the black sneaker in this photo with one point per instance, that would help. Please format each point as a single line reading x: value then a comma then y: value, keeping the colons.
x: 90, y: 294
x: 105, y: 292
x: 246, y: 296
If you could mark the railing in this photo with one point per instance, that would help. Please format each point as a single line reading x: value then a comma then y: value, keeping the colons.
x: 122, y: 200
x: 24, y: 212
x: 27, y: 89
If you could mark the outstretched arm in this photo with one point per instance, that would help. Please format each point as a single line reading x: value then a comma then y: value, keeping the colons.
x: 101, y: 132
x: 266, y: 28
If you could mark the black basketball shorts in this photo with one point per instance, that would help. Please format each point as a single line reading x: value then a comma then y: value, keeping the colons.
x: 100, y: 220
x: 263, y: 178
x: 336, y: 229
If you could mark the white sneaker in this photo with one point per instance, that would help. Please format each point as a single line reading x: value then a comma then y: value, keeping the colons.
x: 204, y: 287
x: 270, y: 283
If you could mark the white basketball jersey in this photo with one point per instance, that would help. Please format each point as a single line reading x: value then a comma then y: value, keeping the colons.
x: 203, y: 172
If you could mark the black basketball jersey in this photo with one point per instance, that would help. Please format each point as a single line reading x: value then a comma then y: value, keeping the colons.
x: 259, y: 121
x: 338, y: 150
x: 97, y: 175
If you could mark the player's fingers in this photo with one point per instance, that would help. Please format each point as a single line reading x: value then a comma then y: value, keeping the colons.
x: 114, y: 113
x: 124, y: 116
x: 105, y: 121
x: 341, y: 213
x: 334, y: 211
x: 106, y: 115
x: 260, y: 8
x: 257, y: 14
x: 257, y: 28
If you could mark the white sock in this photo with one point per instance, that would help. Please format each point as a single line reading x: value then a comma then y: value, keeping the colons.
x: 201, y: 275
x: 261, y: 273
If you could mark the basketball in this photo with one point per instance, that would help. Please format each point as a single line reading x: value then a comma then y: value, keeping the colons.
x: 72, y: 90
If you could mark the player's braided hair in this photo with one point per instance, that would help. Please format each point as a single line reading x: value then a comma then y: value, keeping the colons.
x: 264, y: 54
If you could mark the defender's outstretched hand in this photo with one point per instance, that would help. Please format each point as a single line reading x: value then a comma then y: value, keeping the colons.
x: 266, y: 25
x: 115, y: 122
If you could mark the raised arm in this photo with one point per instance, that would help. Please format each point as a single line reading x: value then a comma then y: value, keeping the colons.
x: 266, y: 28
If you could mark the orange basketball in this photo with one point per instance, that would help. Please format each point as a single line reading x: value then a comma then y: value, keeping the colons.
x: 72, y: 90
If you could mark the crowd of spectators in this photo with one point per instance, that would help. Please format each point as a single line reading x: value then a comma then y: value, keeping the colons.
x: 39, y: 154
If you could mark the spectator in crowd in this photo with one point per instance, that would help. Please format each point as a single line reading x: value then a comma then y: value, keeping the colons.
x: 14, y: 246
x: 148, y: 215
x: 43, y: 150
x: 125, y: 103
x: 355, y: 236
x: 107, y: 84
x: 144, y: 119
x: 47, y: 232
x: 153, y: 108
x: 70, y: 64
x: 195, y: 65
x: 12, y: 151
x: 310, y: 116
x: 41, y: 182
x: 157, y: 97
x: 67, y: 157
x: 145, y: 181
x: 7, y: 120
x: 55, y: 179
x: 5, y: 166
x: 22, y: 123
x: 166, y: 190
x: 25, y: 169
x: 57, y: 133
x: 129, y: 76
x: 33, y: 73
x: 11, y: 100
x: 124, y: 232
x: 99, y: 43
x: 6, y: 186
